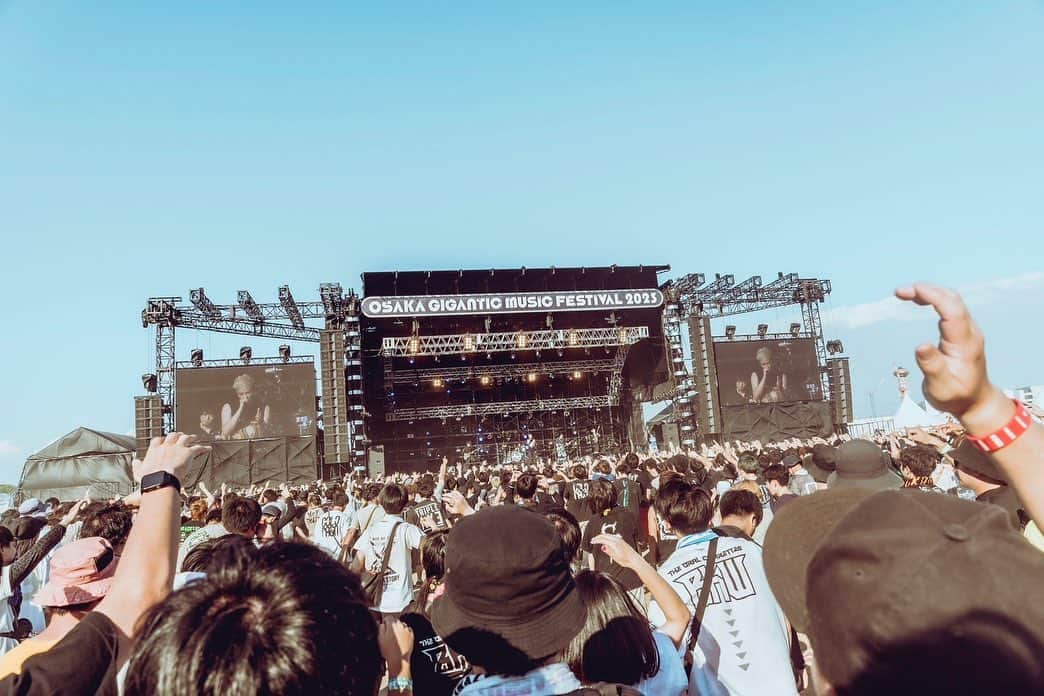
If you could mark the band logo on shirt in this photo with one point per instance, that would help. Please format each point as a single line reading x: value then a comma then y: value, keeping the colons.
x: 731, y: 582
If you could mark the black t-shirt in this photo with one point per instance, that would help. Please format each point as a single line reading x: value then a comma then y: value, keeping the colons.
x: 83, y: 662
x: 622, y: 523
x: 436, y: 669
x: 644, y: 480
x: 628, y: 494
x: 576, y: 494
x: 428, y: 509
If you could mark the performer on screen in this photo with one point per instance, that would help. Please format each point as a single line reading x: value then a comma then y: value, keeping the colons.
x: 770, y: 386
x: 251, y: 418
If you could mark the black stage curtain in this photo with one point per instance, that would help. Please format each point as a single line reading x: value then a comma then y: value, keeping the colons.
x: 250, y: 462
x: 767, y: 422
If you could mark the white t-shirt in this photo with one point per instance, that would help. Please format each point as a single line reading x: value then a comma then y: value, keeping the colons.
x: 205, y: 533
x: 744, y: 644
x: 330, y: 527
x: 6, y: 615
x: 398, y: 581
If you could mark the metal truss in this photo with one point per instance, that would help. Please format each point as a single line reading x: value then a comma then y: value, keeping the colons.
x: 286, y: 299
x: 616, y: 379
x: 513, y: 370
x: 449, y: 344
x: 723, y: 296
x: 683, y: 383
x: 236, y: 362
x: 740, y: 338
x: 500, y: 408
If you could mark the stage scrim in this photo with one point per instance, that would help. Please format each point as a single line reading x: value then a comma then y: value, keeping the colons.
x: 771, y: 422
x: 254, y: 462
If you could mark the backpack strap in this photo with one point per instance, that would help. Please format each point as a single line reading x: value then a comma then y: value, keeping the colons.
x: 701, y: 605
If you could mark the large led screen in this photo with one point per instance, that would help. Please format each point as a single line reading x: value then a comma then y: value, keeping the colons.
x: 246, y: 402
x: 767, y: 372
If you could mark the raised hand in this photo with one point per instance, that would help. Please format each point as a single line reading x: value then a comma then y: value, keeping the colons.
x: 617, y: 549
x: 170, y: 454
x: 955, y: 378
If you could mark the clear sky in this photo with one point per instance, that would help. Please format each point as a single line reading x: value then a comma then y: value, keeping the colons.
x: 146, y: 148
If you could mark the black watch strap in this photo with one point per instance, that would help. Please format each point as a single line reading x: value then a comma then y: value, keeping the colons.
x: 159, y: 479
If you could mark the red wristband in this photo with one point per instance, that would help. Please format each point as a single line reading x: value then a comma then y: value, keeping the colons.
x: 1007, y: 433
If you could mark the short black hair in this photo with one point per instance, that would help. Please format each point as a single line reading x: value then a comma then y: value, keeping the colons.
x: 569, y: 530
x: 112, y: 523
x: 920, y: 459
x: 292, y: 620
x: 339, y: 499
x: 393, y: 498
x: 220, y: 554
x: 602, y: 496
x: 240, y: 515
x: 526, y: 486
x: 426, y: 487
x: 738, y: 501
x: 213, y: 515
x: 777, y: 472
x: 687, y: 508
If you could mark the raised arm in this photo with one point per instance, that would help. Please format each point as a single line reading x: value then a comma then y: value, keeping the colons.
x: 146, y: 568
x: 674, y: 609
x: 956, y: 381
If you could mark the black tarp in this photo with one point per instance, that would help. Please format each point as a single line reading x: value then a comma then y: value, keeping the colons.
x: 249, y: 462
x: 83, y: 461
x: 768, y: 422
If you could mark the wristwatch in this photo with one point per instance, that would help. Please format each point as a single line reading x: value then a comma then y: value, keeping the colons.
x: 159, y: 479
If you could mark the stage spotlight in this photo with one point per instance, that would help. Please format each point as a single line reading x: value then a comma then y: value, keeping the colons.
x: 577, y: 374
x: 284, y: 352
x: 621, y: 336
x: 538, y: 355
x: 197, y: 357
x: 834, y: 347
x: 531, y: 377
x: 522, y: 340
x: 413, y: 345
x: 762, y: 330
x: 485, y: 380
x: 730, y: 332
x: 574, y: 339
x: 437, y: 383
x: 469, y: 342
x: 150, y: 382
x: 245, y: 354
x: 795, y: 329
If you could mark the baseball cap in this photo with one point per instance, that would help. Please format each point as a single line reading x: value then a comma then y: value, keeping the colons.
x: 82, y: 571
x: 876, y: 578
x: 506, y: 573
x: 790, y: 460
x: 32, y: 507
x: 272, y: 510
x: 862, y: 464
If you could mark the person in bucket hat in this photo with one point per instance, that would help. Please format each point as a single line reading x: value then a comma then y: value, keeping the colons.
x: 910, y: 592
x: 81, y: 574
x: 510, y: 605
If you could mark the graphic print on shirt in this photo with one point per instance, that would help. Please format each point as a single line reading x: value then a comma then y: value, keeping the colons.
x: 329, y: 524
x: 431, y: 512
x: 609, y: 528
x: 442, y: 659
x: 731, y: 583
x: 581, y: 490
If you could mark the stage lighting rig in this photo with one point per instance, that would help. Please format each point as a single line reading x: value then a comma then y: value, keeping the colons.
x: 730, y: 332
x: 795, y: 329
x: 284, y: 352
x: 286, y: 299
x: 834, y: 347
x: 150, y: 382
x: 246, y: 302
x: 197, y: 357
x: 762, y: 330
x: 245, y: 354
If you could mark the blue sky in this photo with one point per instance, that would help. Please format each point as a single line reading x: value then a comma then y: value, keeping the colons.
x: 148, y: 148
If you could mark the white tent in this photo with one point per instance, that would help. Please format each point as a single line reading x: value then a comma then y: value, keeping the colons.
x: 911, y: 415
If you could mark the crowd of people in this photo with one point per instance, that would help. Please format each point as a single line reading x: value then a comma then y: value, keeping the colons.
x: 907, y: 563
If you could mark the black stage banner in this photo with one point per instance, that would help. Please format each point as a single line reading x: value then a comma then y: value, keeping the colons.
x: 768, y: 422
x: 510, y: 303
